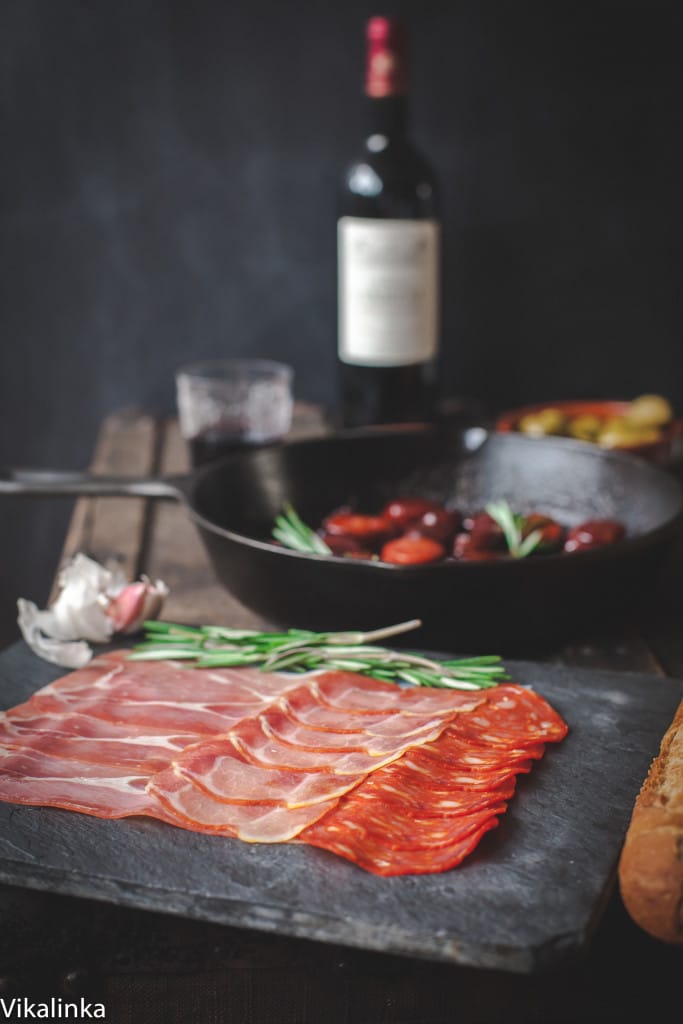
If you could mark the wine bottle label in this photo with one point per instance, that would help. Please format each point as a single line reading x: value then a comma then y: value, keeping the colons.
x: 388, y: 291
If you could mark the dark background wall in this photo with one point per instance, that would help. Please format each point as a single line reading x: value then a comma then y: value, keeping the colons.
x: 167, y: 191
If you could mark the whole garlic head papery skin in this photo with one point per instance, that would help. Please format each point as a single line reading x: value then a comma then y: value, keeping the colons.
x: 93, y: 604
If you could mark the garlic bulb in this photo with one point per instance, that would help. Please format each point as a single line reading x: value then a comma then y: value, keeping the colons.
x: 93, y: 604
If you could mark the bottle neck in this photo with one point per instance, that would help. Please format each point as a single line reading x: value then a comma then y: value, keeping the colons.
x: 388, y: 115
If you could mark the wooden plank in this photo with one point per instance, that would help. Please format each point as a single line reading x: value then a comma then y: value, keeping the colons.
x: 118, y: 524
x: 111, y: 530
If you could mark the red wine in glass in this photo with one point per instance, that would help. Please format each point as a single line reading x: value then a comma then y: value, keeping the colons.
x: 227, y: 406
x: 218, y: 442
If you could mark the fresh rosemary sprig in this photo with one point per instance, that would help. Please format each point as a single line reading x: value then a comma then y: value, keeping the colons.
x: 291, y: 531
x: 302, y: 650
x: 512, y: 526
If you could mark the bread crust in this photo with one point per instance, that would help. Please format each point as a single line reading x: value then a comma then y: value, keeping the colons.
x: 651, y: 863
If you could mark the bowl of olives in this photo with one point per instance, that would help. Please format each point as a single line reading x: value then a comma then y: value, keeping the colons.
x: 646, y: 425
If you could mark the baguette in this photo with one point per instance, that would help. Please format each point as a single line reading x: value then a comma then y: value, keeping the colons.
x: 650, y: 867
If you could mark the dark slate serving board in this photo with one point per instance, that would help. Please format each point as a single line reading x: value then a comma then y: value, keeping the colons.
x: 528, y: 898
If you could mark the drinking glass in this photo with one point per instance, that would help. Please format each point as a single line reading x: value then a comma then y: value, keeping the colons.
x: 225, y: 405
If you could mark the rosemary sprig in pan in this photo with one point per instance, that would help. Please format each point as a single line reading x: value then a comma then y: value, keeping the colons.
x: 512, y: 526
x: 291, y: 531
x: 301, y: 650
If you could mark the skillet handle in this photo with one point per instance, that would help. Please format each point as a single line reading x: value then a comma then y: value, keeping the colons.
x: 49, y: 482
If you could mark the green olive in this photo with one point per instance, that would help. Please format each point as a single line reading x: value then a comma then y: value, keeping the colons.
x: 585, y: 427
x: 650, y: 411
x: 619, y: 432
x: 547, y: 421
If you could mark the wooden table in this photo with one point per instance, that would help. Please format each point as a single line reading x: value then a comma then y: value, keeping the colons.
x: 150, y: 967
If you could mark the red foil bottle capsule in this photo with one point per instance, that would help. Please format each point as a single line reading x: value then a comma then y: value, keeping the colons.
x: 386, y: 71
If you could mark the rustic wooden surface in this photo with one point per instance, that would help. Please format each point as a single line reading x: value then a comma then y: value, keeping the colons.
x: 154, y: 968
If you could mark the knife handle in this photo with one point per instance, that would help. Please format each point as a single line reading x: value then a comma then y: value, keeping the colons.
x: 37, y: 482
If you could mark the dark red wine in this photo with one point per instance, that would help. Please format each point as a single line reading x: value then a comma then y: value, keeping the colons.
x: 388, y: 255
x: 214, y: 445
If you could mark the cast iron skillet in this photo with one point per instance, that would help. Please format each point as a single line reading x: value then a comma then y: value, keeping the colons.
x: 508, y: 606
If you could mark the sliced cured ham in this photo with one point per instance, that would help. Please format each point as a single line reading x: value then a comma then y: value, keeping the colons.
x: 106, y: 791
x: 303, y: 707
x: 82, y: 738
x: 276, y: 759
x: 92, y: 740
x: 143, y: 721
x: 178, y: 802
x: 404, y: 732
x: 113, y: 676
x: 258, y: 744
x: 174, y: 697
x: 397, y: 780
x: 218, y: 768
x: 365, y: 696
x: 196, y: 717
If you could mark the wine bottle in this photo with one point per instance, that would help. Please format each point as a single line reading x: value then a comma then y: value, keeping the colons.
x: 387, y: 254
